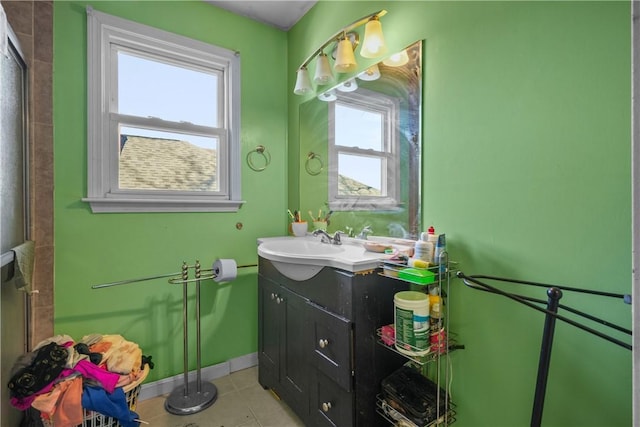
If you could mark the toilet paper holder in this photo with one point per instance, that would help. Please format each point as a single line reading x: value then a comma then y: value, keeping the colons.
x: 208, y: 274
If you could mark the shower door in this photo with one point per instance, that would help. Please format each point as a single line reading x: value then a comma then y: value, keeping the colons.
x: 13, y: 217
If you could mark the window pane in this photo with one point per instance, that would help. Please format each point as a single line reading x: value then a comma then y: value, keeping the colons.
x: 356, y: 127
x: 155, y: 160
x: 359, y: 175
x: 152, y: 88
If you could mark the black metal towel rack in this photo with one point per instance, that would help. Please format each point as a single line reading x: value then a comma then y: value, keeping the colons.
x: 554, y: 294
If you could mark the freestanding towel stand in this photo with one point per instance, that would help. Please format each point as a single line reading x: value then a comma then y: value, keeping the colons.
x: 195, y: 396
x: 554, y: 293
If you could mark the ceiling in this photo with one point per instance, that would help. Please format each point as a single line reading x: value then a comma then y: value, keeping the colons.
x: 281, y: 14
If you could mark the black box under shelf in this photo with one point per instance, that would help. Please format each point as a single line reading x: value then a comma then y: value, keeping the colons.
x: 413, y: 395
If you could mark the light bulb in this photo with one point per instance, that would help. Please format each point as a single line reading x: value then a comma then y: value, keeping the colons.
x: 303, y: 84
x: 345, y: 59
x: 323, y: 70
x: 328, y: 96
x: 348, y: 86
x: 397, y: 59
x: 370, y: 74
x: 373, y: 45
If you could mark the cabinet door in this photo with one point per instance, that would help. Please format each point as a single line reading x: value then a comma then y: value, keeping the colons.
x: 331, y: 405
x: 294, y: 350
x: 332, y: 345
x: 269, y: 320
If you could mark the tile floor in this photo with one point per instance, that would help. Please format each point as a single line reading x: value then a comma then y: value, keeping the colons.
x: 242, y: 402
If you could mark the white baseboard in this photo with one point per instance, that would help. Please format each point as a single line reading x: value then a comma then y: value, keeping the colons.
x: 209, y: 373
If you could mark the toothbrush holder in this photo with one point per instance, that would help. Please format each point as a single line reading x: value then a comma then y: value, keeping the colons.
x: 320, y: 225
x: 299, y: 229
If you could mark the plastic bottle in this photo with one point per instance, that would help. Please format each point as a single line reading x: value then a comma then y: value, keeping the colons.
x: 423, y: 251
x: 429, y: 235
x: 435, y: 310
x: 439, y: 250
x: 432, y: 236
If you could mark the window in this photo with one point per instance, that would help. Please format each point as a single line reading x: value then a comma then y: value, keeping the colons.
x: 363, y: 152
x: 164, y: 120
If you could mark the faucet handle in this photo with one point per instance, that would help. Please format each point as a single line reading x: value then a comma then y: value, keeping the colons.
x: 336, y: 237
x: 324, y: 236
x: 364, y: 232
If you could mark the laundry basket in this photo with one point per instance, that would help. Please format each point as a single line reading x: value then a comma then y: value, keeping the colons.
x: 96, y: 419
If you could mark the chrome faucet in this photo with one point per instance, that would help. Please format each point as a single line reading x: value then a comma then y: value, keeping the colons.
x: 336, y: 237
x: 326, y: 237
x: 365, y: 231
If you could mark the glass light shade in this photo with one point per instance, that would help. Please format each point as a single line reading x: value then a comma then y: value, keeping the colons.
x: 370, y: 74
x: 345, y: 59
x: 397, y: 59
x: 328, y: 96
x: 373, y: 45
x: 348, y: 86
x: 303, y: 83
x: 323, y: 70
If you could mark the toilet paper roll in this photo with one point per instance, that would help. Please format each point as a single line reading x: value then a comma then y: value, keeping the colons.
x: 225, y: 270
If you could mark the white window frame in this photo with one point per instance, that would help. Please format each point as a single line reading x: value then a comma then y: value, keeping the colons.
x: 389, y: 108
x: 106, y: 35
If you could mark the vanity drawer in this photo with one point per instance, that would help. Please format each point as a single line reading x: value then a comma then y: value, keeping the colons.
x: 332, y: 405
x: 332, y: 351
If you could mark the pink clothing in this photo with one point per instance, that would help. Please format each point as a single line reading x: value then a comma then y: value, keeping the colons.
x: 107, y: 379
x: 24, y: 403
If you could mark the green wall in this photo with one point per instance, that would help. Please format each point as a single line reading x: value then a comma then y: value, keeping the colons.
x: 527, y: 169
x: 98, y: 248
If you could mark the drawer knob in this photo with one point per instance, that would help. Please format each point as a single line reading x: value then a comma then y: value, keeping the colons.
x: 273, y: 295
x: 279, y: 300
x: 326, y: 406
x: 323, y: 343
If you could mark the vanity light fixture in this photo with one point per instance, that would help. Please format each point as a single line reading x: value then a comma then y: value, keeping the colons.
x: 373, y: 46
x: 303, y: 83
x: 370, y: 74
x: 323, y: 74
x: 397, y: 59
x: 345, y: 58
x: 328, y: 96
x: 348, y: 86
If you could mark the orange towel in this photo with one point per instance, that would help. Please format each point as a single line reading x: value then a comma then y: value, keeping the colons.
x: 100, y: 347
x: 63, y: 404
x: 70, y: 411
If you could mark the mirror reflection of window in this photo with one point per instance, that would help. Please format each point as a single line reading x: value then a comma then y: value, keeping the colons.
x: 360, y: 129
x: 363, y: 152
x: 371, y: 142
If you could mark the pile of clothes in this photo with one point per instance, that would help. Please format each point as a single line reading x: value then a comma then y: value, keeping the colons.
x: 60, y: 378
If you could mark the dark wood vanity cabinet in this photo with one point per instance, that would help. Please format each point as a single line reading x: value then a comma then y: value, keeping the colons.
x: 317, y: 343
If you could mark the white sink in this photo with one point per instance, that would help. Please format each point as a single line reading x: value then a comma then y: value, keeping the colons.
x: 301, y: 258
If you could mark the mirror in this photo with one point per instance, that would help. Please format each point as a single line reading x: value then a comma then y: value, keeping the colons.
x: 360, y: 148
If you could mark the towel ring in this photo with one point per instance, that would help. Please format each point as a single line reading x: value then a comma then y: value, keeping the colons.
x: 309, y: 166
x: 260, y: 150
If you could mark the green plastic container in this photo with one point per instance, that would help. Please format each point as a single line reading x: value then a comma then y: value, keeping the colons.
x: 417, y: 275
